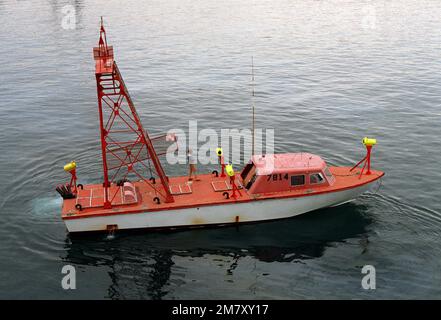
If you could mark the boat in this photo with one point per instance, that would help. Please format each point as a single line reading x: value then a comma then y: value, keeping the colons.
x: 268, y: 187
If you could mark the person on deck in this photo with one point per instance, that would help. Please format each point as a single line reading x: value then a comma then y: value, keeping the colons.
x: 192, y: 161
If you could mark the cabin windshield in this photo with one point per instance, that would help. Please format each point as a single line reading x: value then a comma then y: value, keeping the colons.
x: 250, y: 175
x: 246, y: 170
x: 329, y: 175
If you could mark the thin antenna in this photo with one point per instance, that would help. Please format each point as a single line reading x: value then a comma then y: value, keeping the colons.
x: 252, y: 100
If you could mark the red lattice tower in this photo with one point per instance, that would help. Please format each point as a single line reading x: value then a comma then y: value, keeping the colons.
x: 125, y: 145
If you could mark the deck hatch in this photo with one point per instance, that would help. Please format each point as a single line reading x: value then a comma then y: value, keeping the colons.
x: 225, y: 185
x: 178, y: 189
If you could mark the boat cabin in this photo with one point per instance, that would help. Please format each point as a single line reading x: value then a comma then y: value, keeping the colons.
x: 285, y: 172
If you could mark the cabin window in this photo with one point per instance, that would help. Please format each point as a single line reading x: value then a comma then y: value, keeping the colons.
x: 316, y: 178
x: 297, y: 180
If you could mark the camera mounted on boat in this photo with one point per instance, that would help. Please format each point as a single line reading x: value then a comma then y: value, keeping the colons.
x: 69, y: 190
x: 369, y: 143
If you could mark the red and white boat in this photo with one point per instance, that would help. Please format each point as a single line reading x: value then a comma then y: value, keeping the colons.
x: 270, y: 186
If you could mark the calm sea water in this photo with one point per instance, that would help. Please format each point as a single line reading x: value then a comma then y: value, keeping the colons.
x: 327, y: 74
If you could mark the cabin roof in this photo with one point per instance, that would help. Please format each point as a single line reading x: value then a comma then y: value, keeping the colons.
x: 288, y: 163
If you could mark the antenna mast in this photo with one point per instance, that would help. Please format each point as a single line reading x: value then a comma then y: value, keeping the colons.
x: 252, y: 100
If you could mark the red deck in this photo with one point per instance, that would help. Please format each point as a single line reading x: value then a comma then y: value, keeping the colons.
x: 208, y: 191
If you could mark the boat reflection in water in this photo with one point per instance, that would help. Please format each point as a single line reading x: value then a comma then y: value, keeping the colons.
x: 152, y: 265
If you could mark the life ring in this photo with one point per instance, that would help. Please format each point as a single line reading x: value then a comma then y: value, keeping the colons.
x: 215, y: 173
x: 157, y: 200
x: 78, y: 207
x: 226, y: 195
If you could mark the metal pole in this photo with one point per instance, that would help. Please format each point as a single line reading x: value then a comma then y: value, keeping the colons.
x: 252, y: 86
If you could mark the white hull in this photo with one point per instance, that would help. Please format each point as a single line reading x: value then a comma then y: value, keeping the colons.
x: 259, y: 210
